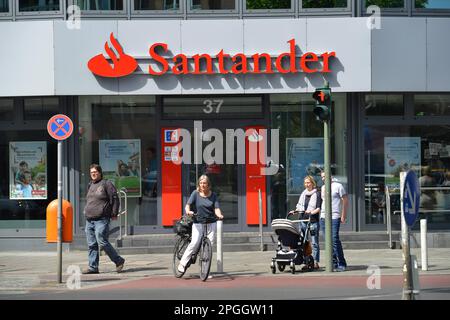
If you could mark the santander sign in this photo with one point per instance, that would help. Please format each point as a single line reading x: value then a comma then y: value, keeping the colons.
x: 206, y: 64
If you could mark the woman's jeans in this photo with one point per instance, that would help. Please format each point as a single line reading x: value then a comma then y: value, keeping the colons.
x: 97, y: 232
x: 338, y: 253
x: 314, y: 235
x: 197, y: 234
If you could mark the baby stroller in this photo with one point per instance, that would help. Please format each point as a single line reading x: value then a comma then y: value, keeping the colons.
x: 293, y: 247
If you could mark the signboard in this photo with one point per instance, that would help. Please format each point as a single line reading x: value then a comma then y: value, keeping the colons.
x: 28, y: 170
x: 411, y: 198
x: 121, y: 164
x: 304, y: 157
x: 60, y: 127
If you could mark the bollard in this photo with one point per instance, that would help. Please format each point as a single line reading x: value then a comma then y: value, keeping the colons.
x: 219, y: 247
x: 423, y: 244
x: 261, y: 245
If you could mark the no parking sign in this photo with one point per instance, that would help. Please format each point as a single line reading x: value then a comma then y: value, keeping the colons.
x: 60, y: 127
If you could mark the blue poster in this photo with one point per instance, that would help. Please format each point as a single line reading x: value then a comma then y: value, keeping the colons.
x: 304, y: 157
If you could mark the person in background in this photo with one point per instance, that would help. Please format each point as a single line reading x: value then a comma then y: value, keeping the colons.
x: 102, y: 204
x: 310, y: 202
x: 339, y: 204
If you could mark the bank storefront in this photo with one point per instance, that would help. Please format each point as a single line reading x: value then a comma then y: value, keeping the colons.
x: 224, y: 95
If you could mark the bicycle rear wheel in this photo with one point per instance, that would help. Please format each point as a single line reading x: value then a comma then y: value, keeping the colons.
x: 205, y: 259
x: 178, y: 251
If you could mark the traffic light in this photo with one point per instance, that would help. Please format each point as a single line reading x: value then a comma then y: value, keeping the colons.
x: 322, y: 110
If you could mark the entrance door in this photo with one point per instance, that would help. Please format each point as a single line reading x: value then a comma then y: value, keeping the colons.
x: 226, y: 179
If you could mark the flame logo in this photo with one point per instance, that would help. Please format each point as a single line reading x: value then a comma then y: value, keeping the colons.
x: 122, y: 65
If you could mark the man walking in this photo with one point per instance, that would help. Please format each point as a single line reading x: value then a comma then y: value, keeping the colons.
x: 101, y: 205
x: 339, y: 203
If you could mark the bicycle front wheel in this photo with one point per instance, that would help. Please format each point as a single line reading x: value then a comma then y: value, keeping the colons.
x: 178, y: 251
x: 205, y: 259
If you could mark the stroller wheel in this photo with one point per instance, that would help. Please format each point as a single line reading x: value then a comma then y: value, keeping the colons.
x: 272, y: 266
x: 292, y: 265
x: 281, y: 267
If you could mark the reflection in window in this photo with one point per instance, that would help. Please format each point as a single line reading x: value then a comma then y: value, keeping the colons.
x: 213, y: 4
x: 307, y: 4
x: 431, y: 105
x: 40, y: 108
x: 384, y: 105
x: 6, y: 109
x: 268, y: 4
x: 38, y: 5
x: 156, y: 4
x: 4, y: 6
x: 390, y: 150
x: 432, y: 4
x: 99, y: 4
x: 386, y: 3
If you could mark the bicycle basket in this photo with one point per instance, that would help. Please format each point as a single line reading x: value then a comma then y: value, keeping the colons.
x: 183, y: 226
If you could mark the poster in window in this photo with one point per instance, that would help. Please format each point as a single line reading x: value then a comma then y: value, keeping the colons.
x: 28, y: 170
x: 304, y: 157
x: 400, y: 154
x: 121, y: 164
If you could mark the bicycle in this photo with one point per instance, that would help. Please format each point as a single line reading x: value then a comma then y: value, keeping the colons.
x: 204, y: 251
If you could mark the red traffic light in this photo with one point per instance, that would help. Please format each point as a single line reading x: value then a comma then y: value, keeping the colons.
x: 321, y: 96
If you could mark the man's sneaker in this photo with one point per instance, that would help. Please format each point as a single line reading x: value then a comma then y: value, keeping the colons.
x: 339, y: 269
x: 119, y: 266
x: 181, y: 269
x: 89, y: 271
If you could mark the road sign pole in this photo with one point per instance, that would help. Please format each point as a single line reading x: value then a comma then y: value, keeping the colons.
x: 328, y: 213
x: 407, y: 274
x: 60, y: 200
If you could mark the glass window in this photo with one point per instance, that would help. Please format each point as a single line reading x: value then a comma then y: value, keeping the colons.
x: 386, y: 3
x: 213, y: 4
x: 432, y: 104
x: 432, y: 4
x: 301, y: 147
x: 156, y: 4
x: 38, y: 5
x: 384, y: 105
x: 390, y: 150
x: 212, y: 107
x: 6, y: 109
x: 124, y: 128
x: 268, y: 4
x: 94, y: 5
x: 4, y: 5
x: 40, y: 108
x: 308, y: 4
x: 28, y: 182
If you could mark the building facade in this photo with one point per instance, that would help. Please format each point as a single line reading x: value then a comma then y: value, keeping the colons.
x: 135, y: 76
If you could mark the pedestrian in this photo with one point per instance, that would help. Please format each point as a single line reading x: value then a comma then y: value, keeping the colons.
x: 310, y: 202
x: 102, y: 204
x: 208, y: 210
x: 339, y: 204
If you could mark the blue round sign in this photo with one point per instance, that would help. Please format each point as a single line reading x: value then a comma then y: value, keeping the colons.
x: 411, y: 198
x: 60, y: 127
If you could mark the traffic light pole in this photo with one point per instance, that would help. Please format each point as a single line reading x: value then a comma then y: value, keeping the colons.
x: 327, y: 168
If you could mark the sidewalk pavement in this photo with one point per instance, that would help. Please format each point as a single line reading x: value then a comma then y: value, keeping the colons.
x: 23, y: 272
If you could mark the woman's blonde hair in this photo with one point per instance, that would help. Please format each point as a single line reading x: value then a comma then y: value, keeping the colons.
x: 311, y: 179
x: 203, y: 177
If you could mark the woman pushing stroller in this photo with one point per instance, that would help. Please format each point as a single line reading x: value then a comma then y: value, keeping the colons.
x: 309, y: 203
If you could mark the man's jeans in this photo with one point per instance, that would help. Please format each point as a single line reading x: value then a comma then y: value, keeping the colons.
x: 97, y: 232
x: 314, y: 235
x: 338, y: 253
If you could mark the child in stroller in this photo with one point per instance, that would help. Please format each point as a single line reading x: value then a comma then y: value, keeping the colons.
x: 293, y: 247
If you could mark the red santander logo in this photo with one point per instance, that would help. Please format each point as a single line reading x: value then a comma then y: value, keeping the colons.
x: 122, y: 65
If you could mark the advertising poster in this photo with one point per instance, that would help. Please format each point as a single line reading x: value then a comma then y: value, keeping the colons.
x: 304, y: 157
x: 121, y: 164
x: 28, y: 170
x: 400, y: 154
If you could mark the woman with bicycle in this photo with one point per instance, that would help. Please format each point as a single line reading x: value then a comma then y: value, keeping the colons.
x: 207, y: 211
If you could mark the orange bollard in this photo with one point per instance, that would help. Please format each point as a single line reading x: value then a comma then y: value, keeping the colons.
x: 52, y: 221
